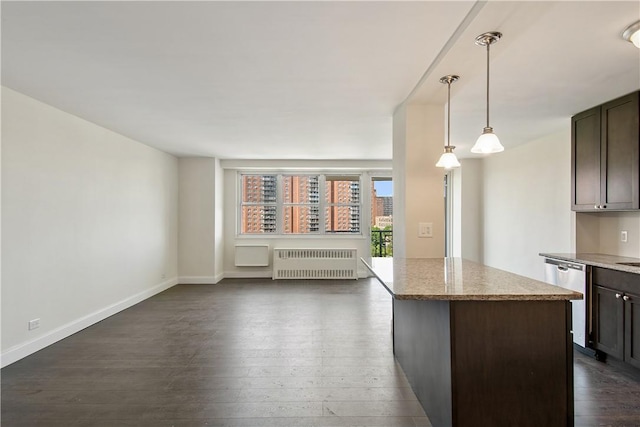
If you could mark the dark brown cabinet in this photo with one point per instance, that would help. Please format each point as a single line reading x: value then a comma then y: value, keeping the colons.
x: 605, y: 156
x: 585, y: 161
x: 608, y: 321
x: 632, y: 329
x: 616, y: 314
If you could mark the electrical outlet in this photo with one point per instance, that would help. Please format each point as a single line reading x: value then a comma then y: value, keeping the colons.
x: 623, y: 236
x: 163, y: 276
x: 34, y: 324
x: 425, y: 229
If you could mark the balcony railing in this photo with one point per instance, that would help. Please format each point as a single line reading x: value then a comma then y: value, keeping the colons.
x: 382, y: 243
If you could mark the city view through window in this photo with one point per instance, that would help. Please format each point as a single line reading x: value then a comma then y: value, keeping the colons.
x: 381, y: 217
x: 308, y: 204
x: 316, y: 204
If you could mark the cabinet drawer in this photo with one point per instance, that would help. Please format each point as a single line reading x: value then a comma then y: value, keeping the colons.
x: 620, y: 280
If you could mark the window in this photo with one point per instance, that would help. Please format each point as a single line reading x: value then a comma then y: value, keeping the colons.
x: 291, y: 204
x: 301, y: 204
x: 342, y: 204
x: 259, y: 204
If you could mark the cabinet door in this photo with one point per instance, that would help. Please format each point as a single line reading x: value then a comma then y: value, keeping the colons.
x: 632, y: 330
x: 585, y: 160
x: 608, y: 321
x: 620, y: 153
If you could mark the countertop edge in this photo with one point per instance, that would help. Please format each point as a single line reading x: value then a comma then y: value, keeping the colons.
x: 497, y: 297
x: 474, y: 297
x: 584, y: 259
x: 377, y: 277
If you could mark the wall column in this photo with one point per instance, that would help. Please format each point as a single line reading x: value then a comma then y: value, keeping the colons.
x: 468, y: 215
x: 200, y: 220
x: 418, y: 188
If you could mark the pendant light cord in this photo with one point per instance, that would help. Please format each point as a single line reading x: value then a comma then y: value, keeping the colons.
x: 488, y: 45
x: 449, y: 113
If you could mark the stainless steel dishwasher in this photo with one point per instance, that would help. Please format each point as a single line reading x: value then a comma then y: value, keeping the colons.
x: 571, y: 275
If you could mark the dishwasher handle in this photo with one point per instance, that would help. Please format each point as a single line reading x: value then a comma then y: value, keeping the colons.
x: 564, y: 265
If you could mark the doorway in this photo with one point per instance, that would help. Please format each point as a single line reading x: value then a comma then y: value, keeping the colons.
x: 381, y: 216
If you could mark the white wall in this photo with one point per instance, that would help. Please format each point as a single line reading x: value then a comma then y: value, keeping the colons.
x: 200, y: 224
x: 468, y: 212
x: 527, y: 205
x: 231, y: 202
x: 89, y: 223
x: 418, y: 189
x: 219, y: 221
x: 399, y: 181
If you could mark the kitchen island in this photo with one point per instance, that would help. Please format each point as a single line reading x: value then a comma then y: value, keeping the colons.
x: 481, y: 346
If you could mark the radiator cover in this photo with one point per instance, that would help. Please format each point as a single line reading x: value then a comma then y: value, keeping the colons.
x: 308, y: 263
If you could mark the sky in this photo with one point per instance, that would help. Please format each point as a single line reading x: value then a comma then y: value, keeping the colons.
x: 383, y: 188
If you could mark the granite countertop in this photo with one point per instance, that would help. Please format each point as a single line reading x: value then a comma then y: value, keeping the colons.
x: 459, y: 279
x: 598, y: 260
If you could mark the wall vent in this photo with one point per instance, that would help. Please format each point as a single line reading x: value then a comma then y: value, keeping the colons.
x: 315, y: 263
x: 252, y: 256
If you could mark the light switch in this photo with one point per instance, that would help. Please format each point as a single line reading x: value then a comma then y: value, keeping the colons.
x: 623, y: 236
x: 425, y: 229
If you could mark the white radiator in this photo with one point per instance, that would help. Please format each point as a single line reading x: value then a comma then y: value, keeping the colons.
x: 315, y: 264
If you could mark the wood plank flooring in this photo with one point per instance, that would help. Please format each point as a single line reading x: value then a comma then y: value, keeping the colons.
x: 252, y: 353
x: 605, y: 394
x: 241, y: 353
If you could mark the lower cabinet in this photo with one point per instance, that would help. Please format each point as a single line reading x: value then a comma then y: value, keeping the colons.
x: 608, y: 319
x: 632, y: 329
x: 616, y: 314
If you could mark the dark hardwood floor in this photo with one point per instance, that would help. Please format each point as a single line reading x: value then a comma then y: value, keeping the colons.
x: 252, y: 353
x: 605, y: 394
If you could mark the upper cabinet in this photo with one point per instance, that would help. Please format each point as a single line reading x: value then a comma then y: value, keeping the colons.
x: 605, y: 155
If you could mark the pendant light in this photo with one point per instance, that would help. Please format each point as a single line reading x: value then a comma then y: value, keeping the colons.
x: 488, y: 142
x: 448, y: 160
x: 632, y: 34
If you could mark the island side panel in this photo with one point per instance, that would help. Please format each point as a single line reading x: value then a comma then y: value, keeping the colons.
x: 422, y: 347
x: 512, y: 363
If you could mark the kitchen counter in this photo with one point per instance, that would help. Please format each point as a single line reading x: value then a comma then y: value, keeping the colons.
x: 481, y: 346
x: 459, y: 279
x: 597, y: 260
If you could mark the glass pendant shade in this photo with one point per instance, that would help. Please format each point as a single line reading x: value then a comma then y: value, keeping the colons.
x: 448, y: 160
x: 632, y: 34
x: 487, y: 143
x: 635, y: 39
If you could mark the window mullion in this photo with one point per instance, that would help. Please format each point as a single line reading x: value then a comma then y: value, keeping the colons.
x: 279, y: 205
x: 239, y: 197
x: 321, y: 204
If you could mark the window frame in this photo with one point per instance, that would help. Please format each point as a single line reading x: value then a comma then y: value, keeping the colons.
x: 338, y: 204
x: 243, y: 204
x: 285, y: 204
x: 280, y: 204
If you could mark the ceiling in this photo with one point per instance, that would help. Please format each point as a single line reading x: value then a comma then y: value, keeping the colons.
x: 314, y: 80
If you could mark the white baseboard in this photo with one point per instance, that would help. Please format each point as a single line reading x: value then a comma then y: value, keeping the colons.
x: 22, y: 350
x: 248, y: 274
x: 199, y: 280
